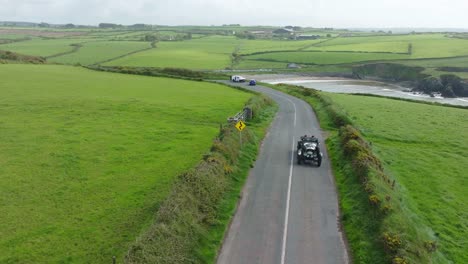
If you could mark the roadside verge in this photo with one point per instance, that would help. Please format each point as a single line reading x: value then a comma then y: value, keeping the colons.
x: 189, y: 225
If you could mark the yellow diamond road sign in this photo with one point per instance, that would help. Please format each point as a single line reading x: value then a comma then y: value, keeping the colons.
x: 240, y: 125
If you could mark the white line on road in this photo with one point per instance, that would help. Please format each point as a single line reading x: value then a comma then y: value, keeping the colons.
x: 284, y: 97
x: 294, y: 105
x: 288, y: 199
x: 286, y: 218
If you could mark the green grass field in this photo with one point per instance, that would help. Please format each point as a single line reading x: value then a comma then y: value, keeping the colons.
x: 433, y: 63
x: 251, y: 46
x: 324, y: 57
x: 377, y: 39
x: 424, y: 45
x: 98, y: 51
x: 86, y: 157
x: 12, y: 36
x: 129, y: 36
x: 257, y: 64
x: 390, y: 46
x: 41, y: 47
x: 425, y: 148
x: 203, y: 54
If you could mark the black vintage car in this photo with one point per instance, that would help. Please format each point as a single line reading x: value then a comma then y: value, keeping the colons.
x: 308, y: 150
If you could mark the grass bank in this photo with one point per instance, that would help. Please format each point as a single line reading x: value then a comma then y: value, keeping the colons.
x: 87, y: 157
x: 190, y: 224
x: 382, y: 221
x: 422, y: 147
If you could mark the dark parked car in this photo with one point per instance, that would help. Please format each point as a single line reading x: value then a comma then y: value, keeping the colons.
x: 252, y: 83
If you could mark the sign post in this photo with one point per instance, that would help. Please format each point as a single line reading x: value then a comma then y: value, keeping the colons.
x: 240, y: 126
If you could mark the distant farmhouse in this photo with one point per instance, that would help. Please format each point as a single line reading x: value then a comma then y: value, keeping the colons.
x: 261, y: 33
x: 291, y: 33
x: 284, y: 31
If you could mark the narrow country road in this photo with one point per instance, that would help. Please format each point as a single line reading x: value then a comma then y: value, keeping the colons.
x: 288, y: 213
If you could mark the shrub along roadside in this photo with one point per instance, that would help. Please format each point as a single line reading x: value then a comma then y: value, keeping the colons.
x: 378, y: 225
x: 190, y: 223
x: 162, y: 72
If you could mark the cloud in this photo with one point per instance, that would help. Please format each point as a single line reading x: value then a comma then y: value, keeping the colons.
x: 318, y: 13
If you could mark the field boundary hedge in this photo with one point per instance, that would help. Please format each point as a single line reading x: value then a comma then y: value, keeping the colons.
x: 8, y: 57
x: 176, y: 73
x: 400, y: 244
x: 185, y: 217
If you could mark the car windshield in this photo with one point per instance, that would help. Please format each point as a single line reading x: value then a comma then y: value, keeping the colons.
x: 310, y: 144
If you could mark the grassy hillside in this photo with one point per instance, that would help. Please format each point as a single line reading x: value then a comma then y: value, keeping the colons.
x: 86, y: 157
x: 425, y: 148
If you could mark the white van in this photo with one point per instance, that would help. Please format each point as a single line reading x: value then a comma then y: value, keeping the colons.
x: 236, y: 78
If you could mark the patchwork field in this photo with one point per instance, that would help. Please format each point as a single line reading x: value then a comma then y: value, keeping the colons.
x: 426, y: 50
x: 215, y: 48
x: 423, y: 46
x: 86, y: 157
x: 425, y: 148
x: 205, y: 53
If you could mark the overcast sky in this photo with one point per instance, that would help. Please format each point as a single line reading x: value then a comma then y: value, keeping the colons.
x: 315, y: 13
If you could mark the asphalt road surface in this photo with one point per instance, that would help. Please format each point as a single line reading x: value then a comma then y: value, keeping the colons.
x: 288, y: 213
